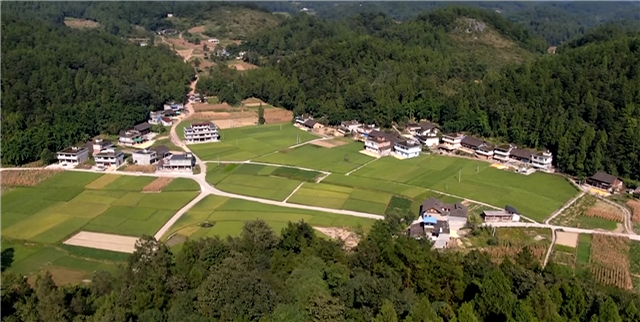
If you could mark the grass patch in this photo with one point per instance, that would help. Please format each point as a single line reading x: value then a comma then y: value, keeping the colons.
x: 129, y: 183
x: 93, y: 253
x: 634, y: 257
x: 182, y: 184
x: 584, y: 251
x: 102, y: 181
x: 273, y: 188
x: 70, y: 179
x: 244, y: 143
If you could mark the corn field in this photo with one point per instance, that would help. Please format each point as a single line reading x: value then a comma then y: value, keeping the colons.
x: 609, y: 261
x: 25, y: 178
x: 635, y: 209
x: 157, y: 185
x: 604, y: 214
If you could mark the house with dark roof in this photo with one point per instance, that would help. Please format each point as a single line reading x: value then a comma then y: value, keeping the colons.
x: 507, y: 215
x: 427, y: 134
x: 503, y: 152
x: 130, y: 137
x: 605, y: 181
x: 143, y: 128
x: 378, y: 143
x: 177, y: 162
x: 471, y: 143
x: 309, y: 124
x: 454, y: 214
x: 451, y: 141
x: 522, y: 155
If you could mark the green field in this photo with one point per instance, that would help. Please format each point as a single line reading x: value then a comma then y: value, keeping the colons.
x: 59, y: 207
x: 339, y: 197
x: 536, y: 196
x: 340, y: 159
x: 268, y: 182
x: 229, y: 215
x: 574, y: 216
x: 245, y: 143
x: 584, y: 251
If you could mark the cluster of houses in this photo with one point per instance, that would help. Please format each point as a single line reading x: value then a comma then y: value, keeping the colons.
x: 306, y: 122
x: 440, y: 221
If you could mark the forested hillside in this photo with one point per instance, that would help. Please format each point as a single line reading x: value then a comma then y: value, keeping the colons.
x: 583, y: 104
x: 557, y: 21
x: 300, y: 277
x: 62, y: 86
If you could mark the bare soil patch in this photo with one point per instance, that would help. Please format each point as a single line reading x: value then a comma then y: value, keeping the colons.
x: 329, y: 143
x: 157, y: 185
x: 253, y: 102
x: 349, y: 238
x: 80, y: 23
x: 242, y: 66
x: 140, y: 168
x: 567, y: 239
x: 197, y: 30
x: 61, y: 276
x: 277, y: 115
x: 226, y: 120
x: 609, y: 261
x: 116, y: 243
x: 25, y: 178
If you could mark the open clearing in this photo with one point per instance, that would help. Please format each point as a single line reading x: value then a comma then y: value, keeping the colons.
x: 509, y: 242
x: 330, y: 143
x: 239, y: 144
x: 227, y: 217
x: 590, y: 213
x: 567, y: 239
x: 157, y: 185
x: 349, y: 238
x: 268, y: 182
x: 25, y: 178
x: 80, y: 23
x: 114, y: 243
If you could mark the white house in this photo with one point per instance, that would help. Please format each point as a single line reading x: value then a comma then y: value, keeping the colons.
x: 177, y: 162
x: 109, y: 157
x: 426, y: 133
x: 377, y: 142
x: 73, y: 155
x: 201, y: 132
x: 542, y: 160
x: 503, y: 152
x: 452, y: 141
x: 407, y: 149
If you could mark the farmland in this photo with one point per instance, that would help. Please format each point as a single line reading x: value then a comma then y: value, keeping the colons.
x: 609, y: 261
x: 245, y: 143
x: 509, y: 242
x: 226, y: 216
x: 36, y: 220
x: 590, y: 213
x: 339, y: 159
x: 268, y: 182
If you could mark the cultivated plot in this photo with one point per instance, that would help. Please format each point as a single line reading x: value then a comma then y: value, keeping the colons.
x: 340, y: 197
x: 245, y: 143
x: 268, y: 182
x: 590, y: 213
x: 219, y: 216
x: 337, y: 159
x: 535, y: 196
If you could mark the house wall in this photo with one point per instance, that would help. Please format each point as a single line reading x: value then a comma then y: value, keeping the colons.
x: 143, y: 159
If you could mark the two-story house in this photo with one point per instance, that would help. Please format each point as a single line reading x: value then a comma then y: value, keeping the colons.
x: 130, y: 137
x: 407, y: 148
x: 178, y: 162
x: 100, y: 144
x: 605, y: 181
x: 351, y: 126
x: 73, y: 155
x: 201, y: 132
x: 109, y: 157
x: 502, y: 152
x: 508, y: 214
x: 427, y: 134
x: 379, y: 143
x: 454, y: 214
x: 451, y: 141
x: 150, y: 156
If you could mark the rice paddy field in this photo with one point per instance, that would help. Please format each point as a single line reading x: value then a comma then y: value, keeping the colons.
x: 339, y: 159
x: 36, y: 220
x: 268, y: 182
x: 227, y: 217
x: 245, y: 143
x: 536, y: 196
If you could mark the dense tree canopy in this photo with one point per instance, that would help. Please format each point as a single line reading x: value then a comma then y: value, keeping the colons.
x: 260, y: 276
x: 583, y: 103
x: 62, y: 86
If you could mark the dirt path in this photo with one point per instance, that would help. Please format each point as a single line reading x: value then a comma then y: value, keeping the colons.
x: 550, y: 250
x: 566, y: 205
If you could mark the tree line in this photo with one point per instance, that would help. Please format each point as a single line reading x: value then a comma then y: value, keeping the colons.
x: 582, y: 103
x: 298, y: 276
x: 62, y: 86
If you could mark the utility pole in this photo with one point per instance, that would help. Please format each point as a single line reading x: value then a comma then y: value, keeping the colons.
x: 218, y: 160
x: 459, y: 175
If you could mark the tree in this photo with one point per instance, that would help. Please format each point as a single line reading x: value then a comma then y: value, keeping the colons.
x: 465, y: 313
x: 260, y: 114
x: 387, y: 313
x: 609, y: 312
x: 47, y: 157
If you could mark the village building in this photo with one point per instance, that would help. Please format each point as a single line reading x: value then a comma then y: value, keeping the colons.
x: 605, y: 181
x: 155, y: 117
x: 201, y: 132
x: 73, y: 155
x: 130, y: 137
x: 150, y: 156
x: 502, y: 152
x: 177, y: 108
x: 507, y: 215
x: 454, y: 214
x: 351, y: 126
x: 177, y: 162
x: 521, y: 155
x: 109, y: 157
x: 407, y: 148
x: 143, y: 128
x: 485, y: 151
x: 377, y: 143
x: 542, y: 160
x: 426, y: 133
x: 451, y: 141
x: 99, y: 145
x: 471, y: 143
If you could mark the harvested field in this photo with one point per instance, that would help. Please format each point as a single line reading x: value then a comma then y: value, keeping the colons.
x: 609, y: 261
x: 277, y: 115
x: 157, y: 185
x: 25, y: 178
x: 225, y: 120
x: 139, y: 168
x: 590, y: 213
x: 349, y: 238
x: 567, y: 239
x: 253, y: 102
x: 635, y: 209
x: 499, y: 253
x: 203, y: 107
x: 116, y: 243
x: 329, y: 143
